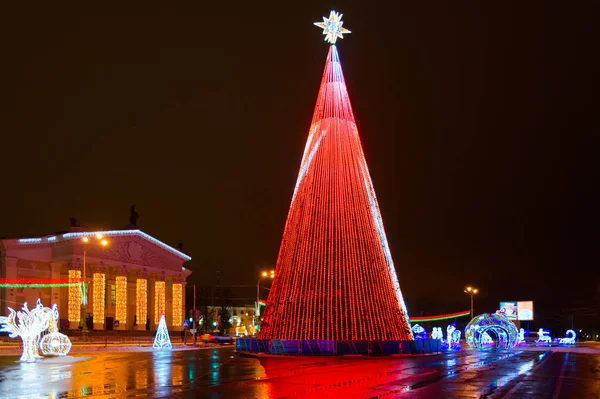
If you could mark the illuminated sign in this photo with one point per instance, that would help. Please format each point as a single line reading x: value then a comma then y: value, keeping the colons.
x: 509, y: 309
x: 525, y: 310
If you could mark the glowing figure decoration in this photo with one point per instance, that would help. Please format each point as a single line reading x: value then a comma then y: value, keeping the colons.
x: 569, y: 339
x: 419, y: 332
x: 162, y: 339
x: 27, y: 324
x: 543, y: 337
x: 452, y: 341
x: 332, y: 27
x: 436, y: 333
x: 502, y: 328
x: 521, y: 338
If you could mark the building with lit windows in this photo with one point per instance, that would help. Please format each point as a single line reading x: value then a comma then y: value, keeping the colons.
x: 132, y: 278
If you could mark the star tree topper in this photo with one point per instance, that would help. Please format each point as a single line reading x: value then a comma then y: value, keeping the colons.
x: 332, y: 27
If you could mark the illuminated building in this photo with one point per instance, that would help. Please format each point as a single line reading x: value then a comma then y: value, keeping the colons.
x: 114, y: 272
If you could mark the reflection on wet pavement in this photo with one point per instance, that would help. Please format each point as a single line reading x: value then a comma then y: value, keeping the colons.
x: 220, y: 373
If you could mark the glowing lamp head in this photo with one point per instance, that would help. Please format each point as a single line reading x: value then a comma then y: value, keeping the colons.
x: 264, y: 274
x: 99, y: 236
x: 104, y: 243
x: 469, y: 289
x: 475, y: 291
x: 85, y: 239
x: 272, y: 273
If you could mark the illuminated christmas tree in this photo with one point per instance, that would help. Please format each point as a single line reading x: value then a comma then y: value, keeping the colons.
x: 335, y: 278
x: 162, y: 339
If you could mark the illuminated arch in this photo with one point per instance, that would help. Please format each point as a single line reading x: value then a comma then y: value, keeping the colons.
x: 487, y: 323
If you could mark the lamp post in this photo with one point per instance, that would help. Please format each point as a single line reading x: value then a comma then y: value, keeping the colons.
x: 471, y: 291
x: 263, y: 274
x: 84, y: 286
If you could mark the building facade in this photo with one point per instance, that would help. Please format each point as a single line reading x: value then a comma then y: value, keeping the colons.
x: 132, y: 278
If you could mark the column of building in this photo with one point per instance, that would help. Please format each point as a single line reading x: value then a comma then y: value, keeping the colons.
x: 74, y: 294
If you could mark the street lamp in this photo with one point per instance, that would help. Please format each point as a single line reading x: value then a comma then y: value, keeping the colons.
x: 471, y: 291
x: 263, y: 274
x: 84, y: 287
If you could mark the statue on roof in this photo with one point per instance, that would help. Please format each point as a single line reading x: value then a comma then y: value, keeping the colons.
x: 133, y: 216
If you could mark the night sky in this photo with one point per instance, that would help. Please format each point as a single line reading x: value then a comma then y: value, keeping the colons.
x: 476, y: 121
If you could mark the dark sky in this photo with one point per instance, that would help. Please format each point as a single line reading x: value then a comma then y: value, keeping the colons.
x: 476, y: 121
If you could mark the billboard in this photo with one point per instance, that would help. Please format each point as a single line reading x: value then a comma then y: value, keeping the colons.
x: 509, y: 309
x: 525, y: 310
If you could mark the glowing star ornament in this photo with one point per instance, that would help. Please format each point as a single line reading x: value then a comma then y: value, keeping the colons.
x: 332, y: 27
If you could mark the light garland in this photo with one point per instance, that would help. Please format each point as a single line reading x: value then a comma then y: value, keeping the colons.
x: 446, y: 316
x: 177, y: 305
x: 162, y: 339
x: 135, y: 232
x: 38, y: 282
x: 74, y: 310
x: 121, y: 307
x: 99, y: 297
x: 334, y: 271
x: 141, y: 301
x: 159, y: 300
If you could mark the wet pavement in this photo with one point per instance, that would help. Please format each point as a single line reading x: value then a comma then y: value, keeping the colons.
x: 220, y: 373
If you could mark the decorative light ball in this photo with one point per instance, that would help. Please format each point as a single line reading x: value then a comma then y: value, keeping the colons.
x: 55, y: 344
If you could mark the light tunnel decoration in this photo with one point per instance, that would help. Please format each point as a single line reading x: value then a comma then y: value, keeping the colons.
x: 30, y: 324
x: 479, y: 331
x: 335, y: 277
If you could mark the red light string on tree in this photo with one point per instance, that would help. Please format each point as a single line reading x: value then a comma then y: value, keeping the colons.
x: 335, y: 278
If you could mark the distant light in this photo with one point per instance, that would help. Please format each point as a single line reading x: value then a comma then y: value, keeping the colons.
x: 214, y: 323
x: 29, y: 240
x: 104, y: 242
x: 85, y: 239
x: 264, y: 274
x: 191, y: 319
x: 99, y: 236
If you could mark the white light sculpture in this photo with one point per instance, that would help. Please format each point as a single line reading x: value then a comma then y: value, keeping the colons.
x: 436, y: 333
x: 27, y: 324
x: 521, y: 337
x: 543, y: 338
x: 332, y: 27
x: 162, y: 339
x: 54, y: 343
x: 569, y: 339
